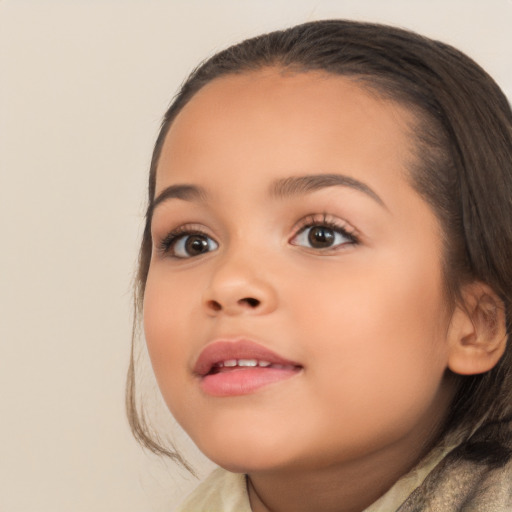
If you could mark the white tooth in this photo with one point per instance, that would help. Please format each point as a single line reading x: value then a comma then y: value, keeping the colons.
x: 247, y: 362
x: 264, y: 363
x: 230, y: 362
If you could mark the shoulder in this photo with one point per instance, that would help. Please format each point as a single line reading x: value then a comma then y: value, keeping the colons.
x: 464, y: 486
x: 222, y: 490
x: 475, y: 477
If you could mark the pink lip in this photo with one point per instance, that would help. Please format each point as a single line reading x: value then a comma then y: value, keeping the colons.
x: 240, y: 380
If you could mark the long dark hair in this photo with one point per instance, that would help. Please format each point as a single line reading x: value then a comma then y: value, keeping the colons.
x: 463, y: 167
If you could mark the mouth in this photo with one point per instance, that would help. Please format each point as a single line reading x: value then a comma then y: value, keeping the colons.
x: 234, y: 364
x: 231, y: 368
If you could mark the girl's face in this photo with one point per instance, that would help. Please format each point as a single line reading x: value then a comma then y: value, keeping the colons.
x: 285, y: 231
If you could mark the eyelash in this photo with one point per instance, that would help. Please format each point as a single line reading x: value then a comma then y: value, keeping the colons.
x: 168, y: 242
x: 328, y: 221
x: 166, y: 245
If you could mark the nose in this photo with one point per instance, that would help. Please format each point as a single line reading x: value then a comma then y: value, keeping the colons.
x: 239, y: 288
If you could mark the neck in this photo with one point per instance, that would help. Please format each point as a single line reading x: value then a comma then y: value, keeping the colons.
x: 352, y: 485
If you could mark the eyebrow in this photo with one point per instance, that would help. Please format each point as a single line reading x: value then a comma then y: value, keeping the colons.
x: 283, y: 188
x: 300, y: 185
x: 185, y: 192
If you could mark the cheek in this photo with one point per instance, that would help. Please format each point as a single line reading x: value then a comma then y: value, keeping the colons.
x: 388, y: 302
x: 165, y: 331
x: 378, y: 335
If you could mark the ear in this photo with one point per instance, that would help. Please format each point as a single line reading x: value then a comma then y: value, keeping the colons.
x: 477, y: 334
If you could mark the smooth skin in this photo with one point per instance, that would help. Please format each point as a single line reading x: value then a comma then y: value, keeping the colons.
x: 366, y: 317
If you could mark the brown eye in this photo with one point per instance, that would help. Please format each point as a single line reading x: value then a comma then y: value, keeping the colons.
x: 196, y: 244
x: 321, y: 236
x: 188, y: 246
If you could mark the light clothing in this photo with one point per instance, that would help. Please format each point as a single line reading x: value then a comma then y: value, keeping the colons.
x: 223, y: 491
x: 474, y: 475
x: 392, y: 500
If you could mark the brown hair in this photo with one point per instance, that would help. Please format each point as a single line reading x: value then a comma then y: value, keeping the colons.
x: 463, y: 170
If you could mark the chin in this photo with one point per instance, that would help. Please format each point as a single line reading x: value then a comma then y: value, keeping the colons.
x: 249, y: 463
x: 245, y: 454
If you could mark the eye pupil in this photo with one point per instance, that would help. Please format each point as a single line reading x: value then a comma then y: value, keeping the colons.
x: 321, y: 236
x: 196, y: 244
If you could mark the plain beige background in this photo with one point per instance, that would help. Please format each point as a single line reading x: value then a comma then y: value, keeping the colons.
x: 83, y: 84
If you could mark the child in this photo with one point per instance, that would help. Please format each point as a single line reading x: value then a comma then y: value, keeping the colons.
x: 326, y: 278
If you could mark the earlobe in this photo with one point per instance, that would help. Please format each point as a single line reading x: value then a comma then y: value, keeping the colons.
x: 477, y: 334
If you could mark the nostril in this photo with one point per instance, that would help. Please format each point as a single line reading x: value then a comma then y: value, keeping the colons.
x: 213, y: 304
x: 249, y: 301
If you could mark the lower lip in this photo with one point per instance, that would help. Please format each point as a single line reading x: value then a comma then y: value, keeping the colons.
x: 243, y: 381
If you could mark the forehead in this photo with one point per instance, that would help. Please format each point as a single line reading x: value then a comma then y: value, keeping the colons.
x: 274, y: 121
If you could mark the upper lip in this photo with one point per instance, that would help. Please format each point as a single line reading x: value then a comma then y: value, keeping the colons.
x: 224, y: 350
